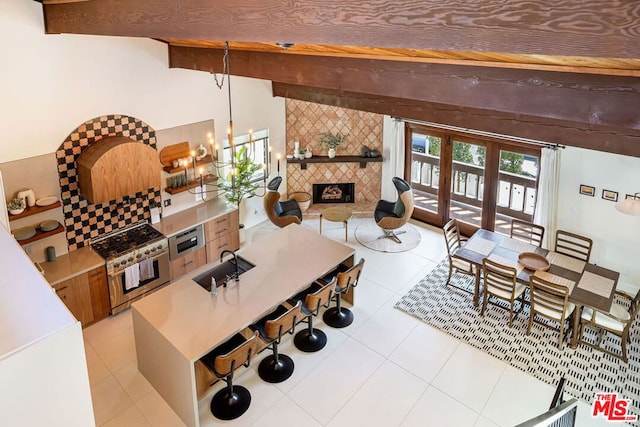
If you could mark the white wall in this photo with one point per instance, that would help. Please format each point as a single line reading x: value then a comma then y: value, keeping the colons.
x: 50, y: 84
x: 616, y: 236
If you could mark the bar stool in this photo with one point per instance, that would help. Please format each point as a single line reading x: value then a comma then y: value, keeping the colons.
x: 276, y: 367
x: 338, y: 316
x: 232, y: 401
x: 317, y: 295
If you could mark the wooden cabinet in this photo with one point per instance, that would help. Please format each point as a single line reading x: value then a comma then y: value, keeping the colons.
x: 99, y: 290
x: 188, y: 262
x: 222, y: 233
x: 86, y: 295
x: 117, y: 166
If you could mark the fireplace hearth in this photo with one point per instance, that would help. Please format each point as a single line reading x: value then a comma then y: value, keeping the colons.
x: 334, y: 193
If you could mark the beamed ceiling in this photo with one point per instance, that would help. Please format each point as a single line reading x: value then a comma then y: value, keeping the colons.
x: 554, y: 70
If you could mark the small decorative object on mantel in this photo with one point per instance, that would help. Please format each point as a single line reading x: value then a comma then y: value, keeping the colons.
x: 16, y: 206
x: 365, y: 152
x: 332, y: 141
x: 374, y: 153
x: 308, y: 153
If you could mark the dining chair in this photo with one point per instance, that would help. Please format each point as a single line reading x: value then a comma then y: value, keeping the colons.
x: 233, y: 400
x: 500, y: 281
x: 573, y: 245
x: 454, y: 242
x: 617, y: 321
x: 527, y: 231
x: 550, y: 301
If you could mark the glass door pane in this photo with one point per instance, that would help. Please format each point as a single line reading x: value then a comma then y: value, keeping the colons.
x: 425, y: 171
x: 517, y: 182
x: 467, y: 182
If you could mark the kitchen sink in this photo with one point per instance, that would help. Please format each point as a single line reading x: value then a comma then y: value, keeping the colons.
x: 223, y: 273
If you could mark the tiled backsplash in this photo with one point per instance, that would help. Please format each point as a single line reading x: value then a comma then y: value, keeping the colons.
x: 305, y: 122
x: 83, y: 220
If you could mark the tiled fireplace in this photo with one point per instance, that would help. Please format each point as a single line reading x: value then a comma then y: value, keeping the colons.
x: 336, y: 192
x: 305, y: 122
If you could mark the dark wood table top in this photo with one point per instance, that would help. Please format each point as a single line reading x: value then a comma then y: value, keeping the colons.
x: 502, y: 248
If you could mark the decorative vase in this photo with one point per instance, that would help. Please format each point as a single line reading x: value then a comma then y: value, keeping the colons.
x: 307, y: 154
x: 331, y: 153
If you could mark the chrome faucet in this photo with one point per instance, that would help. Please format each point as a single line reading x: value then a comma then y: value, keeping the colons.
x: 236, y: 275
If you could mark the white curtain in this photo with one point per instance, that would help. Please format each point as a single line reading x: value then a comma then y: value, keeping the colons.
x: 393, y: 151
x: 547, y: 195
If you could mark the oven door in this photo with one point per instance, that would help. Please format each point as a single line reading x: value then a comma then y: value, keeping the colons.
x: 122, y: 294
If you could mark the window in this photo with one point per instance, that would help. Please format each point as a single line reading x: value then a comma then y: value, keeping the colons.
x: 257, y: 145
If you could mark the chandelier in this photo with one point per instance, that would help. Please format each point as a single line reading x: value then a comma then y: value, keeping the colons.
x: 238, y: 174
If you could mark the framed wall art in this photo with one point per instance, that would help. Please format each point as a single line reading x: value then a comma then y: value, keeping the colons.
x: 587, y: 190
x: 610, y: 195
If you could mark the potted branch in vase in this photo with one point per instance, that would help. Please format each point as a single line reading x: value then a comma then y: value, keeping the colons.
x: 332, y: 141
x: 239, y: 184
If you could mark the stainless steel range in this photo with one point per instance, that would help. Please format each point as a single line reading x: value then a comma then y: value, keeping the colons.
x: 137, y: 259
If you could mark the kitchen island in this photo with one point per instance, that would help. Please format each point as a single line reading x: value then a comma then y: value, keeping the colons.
x: 177, y: 325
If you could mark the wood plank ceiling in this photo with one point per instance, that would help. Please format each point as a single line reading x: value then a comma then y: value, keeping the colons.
x: 565, y: 71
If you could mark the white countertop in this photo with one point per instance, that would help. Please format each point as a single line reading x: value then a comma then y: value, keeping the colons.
x: 286, y: 261
x: 71, y: 264
x: 183, y: 220
x: 29, y: 308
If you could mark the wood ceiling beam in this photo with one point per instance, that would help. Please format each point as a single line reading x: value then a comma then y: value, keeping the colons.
x: 583, y: 99
x: 618, y: 141
x: 587, y: 28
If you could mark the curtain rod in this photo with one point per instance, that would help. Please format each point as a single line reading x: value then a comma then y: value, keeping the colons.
x: 482, y: 133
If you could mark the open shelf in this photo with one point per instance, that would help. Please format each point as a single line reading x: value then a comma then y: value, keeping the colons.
x: 337, y: 159
x: 191, y: 184
x: 202, y: 162
x: 32, y: 210
x: 41, y: 235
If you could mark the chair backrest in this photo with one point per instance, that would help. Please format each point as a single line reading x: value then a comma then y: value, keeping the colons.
x: 271, y: 202
x: 321, y: 297
x: 350, y: 277
x: 498, y: 276
x: 634, y: 308
x: 405, y: 197
x: 451, y: 236
x: 276, y: 328
x: 528, y: 232
x: 224, y: 364
x: 548, y: 297
x: 573, y: 245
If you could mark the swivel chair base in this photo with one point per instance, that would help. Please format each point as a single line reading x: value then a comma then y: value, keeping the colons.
x: 393, y: 235
x: 310, y: 342
x: 338, y: 318
x: 229, y: 406
x: 273, y: 371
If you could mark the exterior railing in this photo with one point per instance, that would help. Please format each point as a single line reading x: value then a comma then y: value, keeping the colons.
x: 516, y: 197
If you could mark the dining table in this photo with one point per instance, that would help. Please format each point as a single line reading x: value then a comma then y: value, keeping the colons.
x: 589, y: 285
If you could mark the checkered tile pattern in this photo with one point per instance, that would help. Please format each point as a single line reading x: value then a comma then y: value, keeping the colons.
x: 83, y: 220
x: 586, y: 370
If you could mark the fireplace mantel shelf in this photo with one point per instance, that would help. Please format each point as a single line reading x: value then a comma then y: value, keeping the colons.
x: 337, y: 159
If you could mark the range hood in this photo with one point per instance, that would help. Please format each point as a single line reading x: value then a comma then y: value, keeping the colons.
x: 117, y: 166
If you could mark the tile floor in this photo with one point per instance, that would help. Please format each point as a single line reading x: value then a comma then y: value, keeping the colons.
x: 386, y: 369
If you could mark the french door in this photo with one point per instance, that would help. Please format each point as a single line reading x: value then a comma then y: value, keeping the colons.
x: 483, y: 183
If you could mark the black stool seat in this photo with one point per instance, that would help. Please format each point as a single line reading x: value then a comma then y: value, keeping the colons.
x: 233, y: 400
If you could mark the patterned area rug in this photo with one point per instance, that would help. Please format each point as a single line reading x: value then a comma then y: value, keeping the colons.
x: 586, y: 370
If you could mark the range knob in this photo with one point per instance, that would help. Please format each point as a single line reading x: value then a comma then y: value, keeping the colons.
x: 153, y: 249
x: 130, y: 259
x: 146, y: 252
x: 138, y: 256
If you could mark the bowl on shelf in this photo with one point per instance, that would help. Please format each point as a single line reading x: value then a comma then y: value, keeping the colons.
x: 24, y: 233
x: 533, y: 261
x: 16, y: 211
x: 48, y: 225
x: 46, y: 201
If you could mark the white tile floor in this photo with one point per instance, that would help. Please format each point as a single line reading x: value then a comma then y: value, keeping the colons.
x: 386, y: 369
